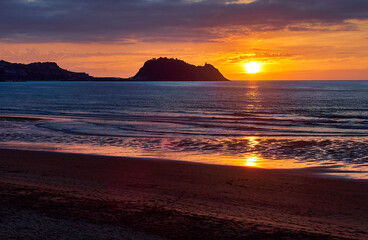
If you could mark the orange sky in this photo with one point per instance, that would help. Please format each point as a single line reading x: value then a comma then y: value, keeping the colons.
x: 285, y: 54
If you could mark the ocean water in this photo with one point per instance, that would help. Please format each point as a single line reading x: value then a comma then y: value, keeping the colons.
x: 267, y: 124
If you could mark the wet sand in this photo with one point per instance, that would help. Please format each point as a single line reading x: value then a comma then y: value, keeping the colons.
x: 98, y: 197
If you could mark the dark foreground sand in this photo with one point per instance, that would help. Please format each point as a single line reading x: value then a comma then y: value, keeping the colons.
x: 68, y: 196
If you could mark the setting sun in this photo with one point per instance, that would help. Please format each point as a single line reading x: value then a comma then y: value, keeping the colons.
x: 252, y: 67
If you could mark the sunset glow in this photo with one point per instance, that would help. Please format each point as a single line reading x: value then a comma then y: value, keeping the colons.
x: 252, y: 67
x: 315, y: 42
x: 184, y: 119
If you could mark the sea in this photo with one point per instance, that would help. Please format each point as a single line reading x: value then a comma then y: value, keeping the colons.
x: 264, y: 124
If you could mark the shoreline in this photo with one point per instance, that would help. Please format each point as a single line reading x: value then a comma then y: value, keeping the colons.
x: 317, y: 171
x: 184, y: 200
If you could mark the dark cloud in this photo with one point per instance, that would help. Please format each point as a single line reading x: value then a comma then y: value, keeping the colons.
x: 167, y: 20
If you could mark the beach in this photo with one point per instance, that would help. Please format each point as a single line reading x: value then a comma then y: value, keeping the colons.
x: 183, y: 120
x: 153, y: 199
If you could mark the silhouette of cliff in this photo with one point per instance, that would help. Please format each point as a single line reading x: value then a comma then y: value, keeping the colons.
x: 47, y: 71
x: 161, y: 69
x: 169, y: 69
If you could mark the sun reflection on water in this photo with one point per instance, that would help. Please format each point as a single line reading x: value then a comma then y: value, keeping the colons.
x: 251, y: 161
x: 252, y: 158
x: 253, y: 97
x: 253, y: 142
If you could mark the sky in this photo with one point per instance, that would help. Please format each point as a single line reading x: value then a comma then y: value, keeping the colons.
x: 292, y: 39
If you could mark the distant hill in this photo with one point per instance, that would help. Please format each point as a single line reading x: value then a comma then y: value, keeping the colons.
x: 160, y: 69
x: 47, y: 71
x: 169, y: 69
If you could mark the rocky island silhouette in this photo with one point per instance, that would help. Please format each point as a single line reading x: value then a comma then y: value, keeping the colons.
x: 156, y: 69
x: 170, y: 69
x: 47, y: 71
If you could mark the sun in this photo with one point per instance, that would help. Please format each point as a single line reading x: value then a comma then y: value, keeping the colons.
x: 252, y: 67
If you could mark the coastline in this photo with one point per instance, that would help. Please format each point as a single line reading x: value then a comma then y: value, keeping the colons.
x: 184, y: 200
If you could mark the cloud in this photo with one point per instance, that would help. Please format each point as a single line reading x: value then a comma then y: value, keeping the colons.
x: 129, y: 21
x: 257, y: 55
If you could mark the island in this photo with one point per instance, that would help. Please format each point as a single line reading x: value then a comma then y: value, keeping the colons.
x: 156, y: 69
x: 47, y: 71
x: 170, y: 69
